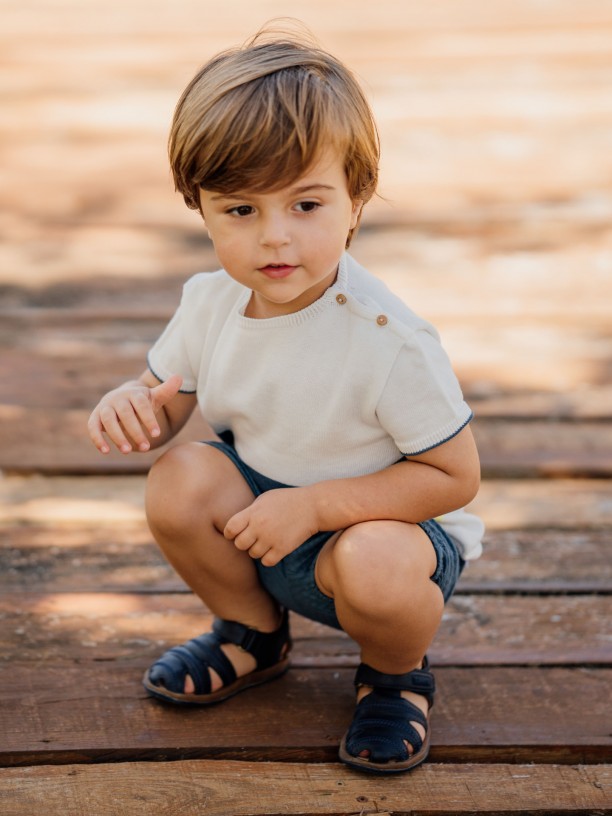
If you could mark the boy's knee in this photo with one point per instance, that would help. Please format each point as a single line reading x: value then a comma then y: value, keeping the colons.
x: 171, y: 468
x: 175, y: 484
x: 377, y: 565
x: 191, y: 486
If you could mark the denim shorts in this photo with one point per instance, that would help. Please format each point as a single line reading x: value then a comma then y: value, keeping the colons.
x: 292, y: 581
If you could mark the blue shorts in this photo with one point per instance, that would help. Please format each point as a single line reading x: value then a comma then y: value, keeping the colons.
x: 292, y: 581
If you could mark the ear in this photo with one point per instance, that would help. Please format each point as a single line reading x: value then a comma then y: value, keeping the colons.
x: 356, y: 212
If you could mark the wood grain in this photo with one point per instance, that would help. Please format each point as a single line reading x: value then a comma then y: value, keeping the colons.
x: 476, y: 629
x: 219, y: 788
x: 80, y: 556
x: 99, y: 712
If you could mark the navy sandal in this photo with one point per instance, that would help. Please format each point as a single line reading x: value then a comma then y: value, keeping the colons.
x: 383, y: 720
x: 166, y: 678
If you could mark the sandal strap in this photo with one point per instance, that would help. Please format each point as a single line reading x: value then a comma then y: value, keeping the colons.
x: 419, y: 681
x: 202, y: 653
x: 380, y: 726
x: 266, y: 647
x: 193, y: 658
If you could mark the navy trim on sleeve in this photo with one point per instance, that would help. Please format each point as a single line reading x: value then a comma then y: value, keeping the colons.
x: 437, y: 445
x: 157, y: 377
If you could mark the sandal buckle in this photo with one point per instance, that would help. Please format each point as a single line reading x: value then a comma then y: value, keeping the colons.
x: 421, y: 682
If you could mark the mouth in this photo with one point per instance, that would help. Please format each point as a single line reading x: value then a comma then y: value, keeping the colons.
x: 276, y: 270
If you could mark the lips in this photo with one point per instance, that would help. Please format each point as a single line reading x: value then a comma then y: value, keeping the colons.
x: 277, y: 270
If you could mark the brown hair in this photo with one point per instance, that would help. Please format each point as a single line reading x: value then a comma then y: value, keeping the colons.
x: 257, y: 117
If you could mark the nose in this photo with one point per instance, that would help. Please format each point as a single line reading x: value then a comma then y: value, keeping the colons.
x: 274, y: 231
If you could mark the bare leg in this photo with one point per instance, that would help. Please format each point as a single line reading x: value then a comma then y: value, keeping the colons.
x: 192, y: 491
x: 379, y: 576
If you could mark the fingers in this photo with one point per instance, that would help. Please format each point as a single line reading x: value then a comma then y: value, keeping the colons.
x: 241, y: 534
x: 165, y: 391
x: 126, y: 420
x: 137, y: 414
x: 95, y: 433
x: 237, y: 530
x: 255, y: 549
x: 117, y: 424
x: 236, y: 525
x: 127, y: 415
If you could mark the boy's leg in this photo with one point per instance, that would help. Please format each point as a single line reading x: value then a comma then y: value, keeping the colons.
x: 192, y: 491
x: 379, y: 575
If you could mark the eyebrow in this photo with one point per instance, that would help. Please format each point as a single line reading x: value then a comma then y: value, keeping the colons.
x: 307, y: 188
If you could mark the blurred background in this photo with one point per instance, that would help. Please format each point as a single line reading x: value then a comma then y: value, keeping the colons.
x: 493, y: 221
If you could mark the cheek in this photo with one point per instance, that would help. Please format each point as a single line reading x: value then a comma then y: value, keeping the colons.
x: 226, y: 244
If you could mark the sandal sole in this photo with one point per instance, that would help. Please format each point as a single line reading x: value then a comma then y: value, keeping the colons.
x: 364, y: 764
x: 246, y: 681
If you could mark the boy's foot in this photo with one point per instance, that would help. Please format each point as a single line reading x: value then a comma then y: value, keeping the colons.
x: 390, y: 729
x: 219, y: 664
x: 242, y: 661
x: 416, y: 699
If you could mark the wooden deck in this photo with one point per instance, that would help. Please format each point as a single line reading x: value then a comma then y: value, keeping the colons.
x: 496, y: 123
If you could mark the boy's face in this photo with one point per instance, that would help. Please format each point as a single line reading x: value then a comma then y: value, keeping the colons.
x: 285, y: 245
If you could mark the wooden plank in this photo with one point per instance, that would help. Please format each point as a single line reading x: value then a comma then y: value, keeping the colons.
x: 507, y: 449
x: 541, y: 561
x: 544, y: 448
x: 85, y: 557
x: 535, y: 504
x: 67, y: 448
x: 218, y: 788
x: 78, y: 380
x: 504, y: 504
x: 99, y: 712
x: 549, y: 630
x: 585, y: 403
x: 100, y: 500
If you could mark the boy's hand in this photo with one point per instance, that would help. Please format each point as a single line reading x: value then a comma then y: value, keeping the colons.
x: 274, y: 525
x: 131, y: 411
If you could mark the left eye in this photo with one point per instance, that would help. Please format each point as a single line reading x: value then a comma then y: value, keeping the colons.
x: 307, y: 206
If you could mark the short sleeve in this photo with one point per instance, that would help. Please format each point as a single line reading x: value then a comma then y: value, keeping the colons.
x: 169, y: 354
x: 421, y: 405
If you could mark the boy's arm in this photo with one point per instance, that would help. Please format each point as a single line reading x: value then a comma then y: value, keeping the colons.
x: 416, y: 489
x: 413, y: 490
x: 141, y: 414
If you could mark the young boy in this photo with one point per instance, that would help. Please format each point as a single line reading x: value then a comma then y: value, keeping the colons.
x: 338, y: 430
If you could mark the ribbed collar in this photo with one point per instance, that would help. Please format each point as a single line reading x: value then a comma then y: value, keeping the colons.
x: 296, y: 318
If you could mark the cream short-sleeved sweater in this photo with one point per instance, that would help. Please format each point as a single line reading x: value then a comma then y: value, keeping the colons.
x: 341, y: 388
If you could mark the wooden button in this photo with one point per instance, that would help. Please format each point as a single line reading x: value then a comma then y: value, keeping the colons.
x: 341, y: 299
x: 382, y: 320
